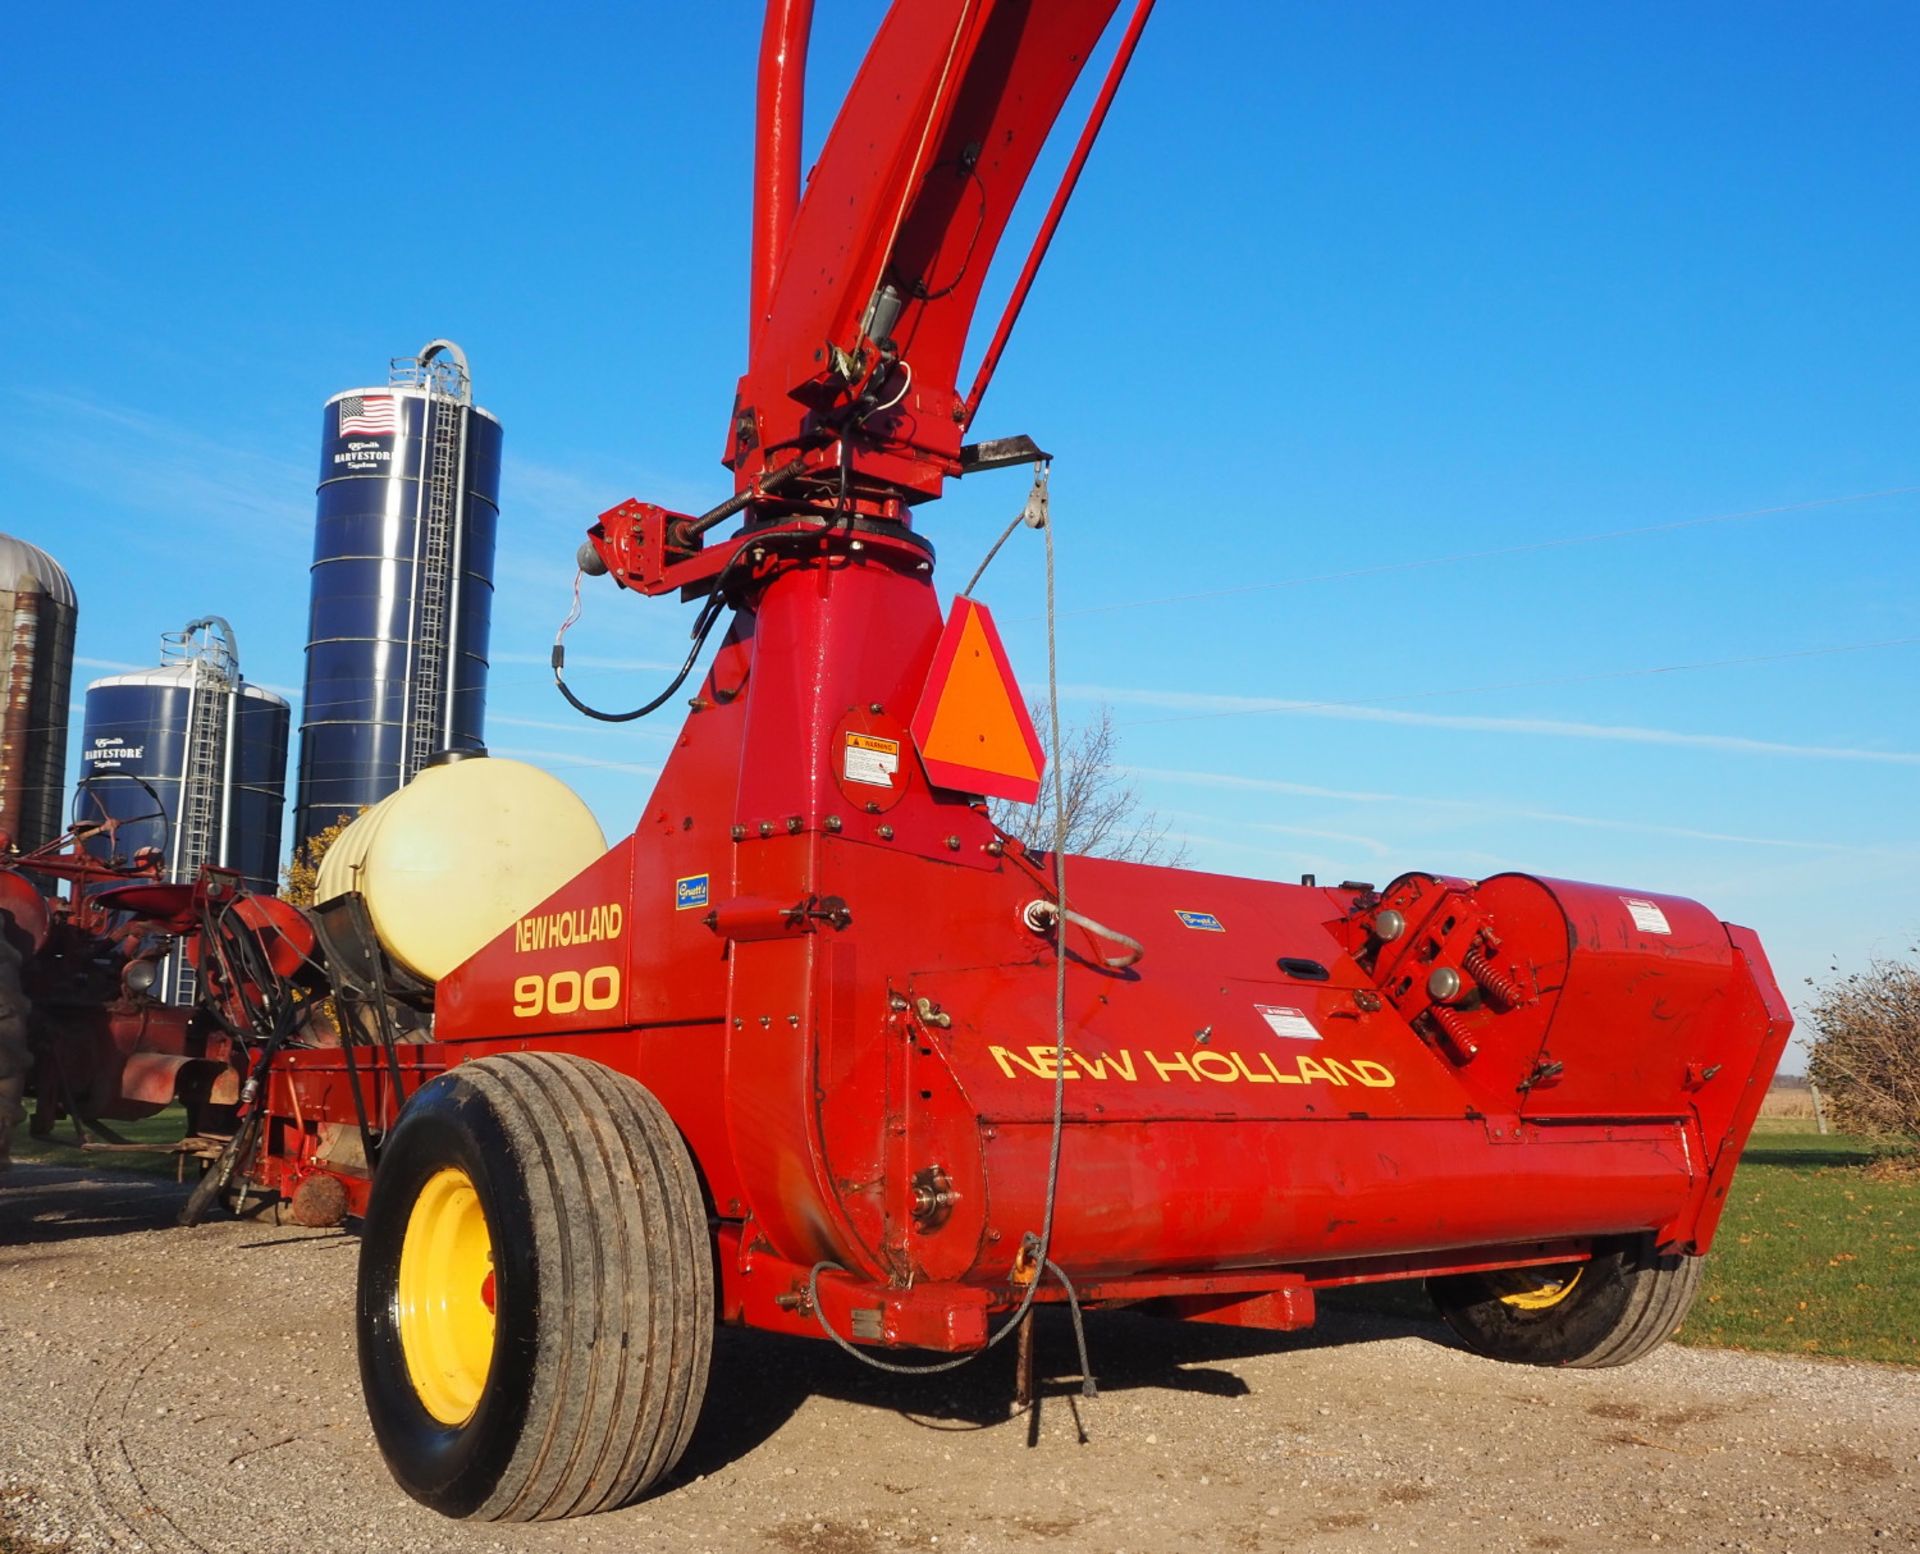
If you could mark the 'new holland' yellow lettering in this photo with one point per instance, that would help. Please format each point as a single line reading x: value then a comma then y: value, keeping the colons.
x: 1224, y: 1068
x: 575, y: 925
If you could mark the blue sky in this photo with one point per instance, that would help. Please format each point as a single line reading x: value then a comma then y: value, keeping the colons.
x: 1345, y: 291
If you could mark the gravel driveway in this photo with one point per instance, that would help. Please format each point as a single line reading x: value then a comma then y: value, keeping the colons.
x: 187, y: 1391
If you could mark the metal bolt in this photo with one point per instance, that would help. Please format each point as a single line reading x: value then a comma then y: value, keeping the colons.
x: 873, y: 806
x: 953, y: 844
x: 833, y: 822
x: 766, y: 1020
x: 793, y: 824
x: 886, y: 833
x: 766, y: 828
x: 1444, y: 984
x: 739, y: 833
x: 794, y: 1021
x: 1203, y: 1035
x: 995, y: 848
x: 875, y: 708
x: 1388, y: 925
x: 857, y: 545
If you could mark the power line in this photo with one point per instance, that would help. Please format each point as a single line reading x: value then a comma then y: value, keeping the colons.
x: 1529, y: 548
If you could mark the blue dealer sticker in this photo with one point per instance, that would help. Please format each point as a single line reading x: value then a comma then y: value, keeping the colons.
x: 690, y: 892
x: 1204, y: 920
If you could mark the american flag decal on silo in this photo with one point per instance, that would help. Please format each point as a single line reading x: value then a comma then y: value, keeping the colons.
x: 373, y: 415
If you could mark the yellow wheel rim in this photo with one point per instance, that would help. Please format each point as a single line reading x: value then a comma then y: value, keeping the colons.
x: 445, y: 1297
x: 1535, y: 1289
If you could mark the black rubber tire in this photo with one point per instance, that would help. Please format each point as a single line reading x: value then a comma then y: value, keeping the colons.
x: 1629, y: 1300
x: 16, y: 1053
x: 603, y: 1299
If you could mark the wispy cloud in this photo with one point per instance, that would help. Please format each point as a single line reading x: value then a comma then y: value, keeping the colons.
x: 1206, y: 704
x: 1821, y: 505
x: 1371, y: 844
x: 81, y: 661
x: 500, y: 719
x: 1487, y: 807
x: 583, y: 661
x: 1238, y: 851
x: 139, y: 466
x: 561, y: 760
x: 566, y: 500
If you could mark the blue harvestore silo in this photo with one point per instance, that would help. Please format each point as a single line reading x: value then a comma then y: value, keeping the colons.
x: 402, y: 585
x: 190, y: 759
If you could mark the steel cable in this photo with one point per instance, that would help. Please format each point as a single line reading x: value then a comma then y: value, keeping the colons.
x: 1036, y: 515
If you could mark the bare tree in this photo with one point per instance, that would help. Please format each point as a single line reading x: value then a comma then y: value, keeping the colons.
x: 1866, y: 1049
x: 1104, y: 815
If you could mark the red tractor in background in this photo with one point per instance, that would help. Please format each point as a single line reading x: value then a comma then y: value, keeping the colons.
x: 79, y: 1032
x: 821, y: 1050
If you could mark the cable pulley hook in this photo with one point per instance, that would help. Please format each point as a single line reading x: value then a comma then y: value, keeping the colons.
x: 1035, y: 514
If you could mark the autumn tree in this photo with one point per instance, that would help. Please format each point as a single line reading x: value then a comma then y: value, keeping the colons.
x: 302, y: 874
x: 1104, y: 816
x: 1866, y: 1049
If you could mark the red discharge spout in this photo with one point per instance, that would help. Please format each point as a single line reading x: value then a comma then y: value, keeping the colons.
x: 779, y: 122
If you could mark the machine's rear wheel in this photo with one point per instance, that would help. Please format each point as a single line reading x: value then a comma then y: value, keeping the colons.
x: 16, y: 1056
x: 1622, y: 1304
x: 536, y: 1296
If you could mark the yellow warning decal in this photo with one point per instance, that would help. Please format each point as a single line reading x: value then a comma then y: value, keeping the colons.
x: 870, y: 759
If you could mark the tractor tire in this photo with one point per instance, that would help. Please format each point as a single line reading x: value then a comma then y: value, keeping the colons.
x: 536, y: 1293
x: 16, y: 1055
x: 1611, y: 1310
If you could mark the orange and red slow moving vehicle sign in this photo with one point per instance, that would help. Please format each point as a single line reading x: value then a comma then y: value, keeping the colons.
x: 971, y: 727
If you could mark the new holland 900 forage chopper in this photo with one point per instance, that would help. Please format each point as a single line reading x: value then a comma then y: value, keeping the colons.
x: 819, y: 1050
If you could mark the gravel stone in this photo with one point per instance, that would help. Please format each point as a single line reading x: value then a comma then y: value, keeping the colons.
x: 195, y: 1392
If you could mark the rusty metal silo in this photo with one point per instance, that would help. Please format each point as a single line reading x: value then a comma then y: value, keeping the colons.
x: 37, y: 611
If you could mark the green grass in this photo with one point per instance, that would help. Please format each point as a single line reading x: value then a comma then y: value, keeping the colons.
x: 1818, y: 1252
x: 162, y: 1130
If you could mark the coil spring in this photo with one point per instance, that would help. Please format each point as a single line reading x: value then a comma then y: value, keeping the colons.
x: 1500, y: 989
x: 1454, y: 1033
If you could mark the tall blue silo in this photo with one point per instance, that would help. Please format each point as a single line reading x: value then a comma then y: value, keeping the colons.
x: 402, y: 585
x: 189, y: 759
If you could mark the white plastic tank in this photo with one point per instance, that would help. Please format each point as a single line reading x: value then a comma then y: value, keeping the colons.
x: 450, y: 860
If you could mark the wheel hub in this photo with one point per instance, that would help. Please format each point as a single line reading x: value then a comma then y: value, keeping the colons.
x: 445, y: 1298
